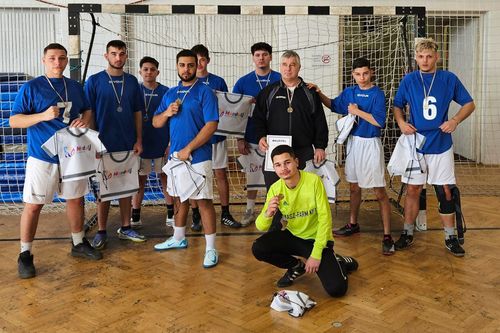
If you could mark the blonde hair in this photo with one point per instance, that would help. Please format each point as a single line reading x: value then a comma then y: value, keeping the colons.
x: 426, y: 44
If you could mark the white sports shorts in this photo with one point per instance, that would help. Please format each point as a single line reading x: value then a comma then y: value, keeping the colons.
x: 42, y: 181
x: 147, y: 165
x: 219, y: 155
x: 439, y: 169
x: 364, y: 163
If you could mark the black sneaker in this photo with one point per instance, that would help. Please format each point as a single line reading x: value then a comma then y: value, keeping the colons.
x: 453, y: 245
x: 290, y: 275
x: 404, y: 242
x: 347, y: 230
x: 25, y: 266
x: 85, y: 250
x: 228, y: 220
x: 349, y: 263
x: 196, y: 225
x: 388, y: 247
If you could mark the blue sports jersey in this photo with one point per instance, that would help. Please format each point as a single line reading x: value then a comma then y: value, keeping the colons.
x: 446, y: 88
x: 251, y: 85
x: 198, y: 107
x: 371, y: 101
x: 154, y: 140
x: 116, y: 129
x: 216, y: 83
x: 36, y: 96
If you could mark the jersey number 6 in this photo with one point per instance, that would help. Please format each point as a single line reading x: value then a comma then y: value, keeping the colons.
x: 429, y: 110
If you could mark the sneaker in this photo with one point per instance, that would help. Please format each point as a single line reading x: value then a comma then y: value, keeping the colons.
x: 228, y: 220
x: 211, y: 258
x: 290, y: 275
x: 248, y: 218
x: 85, y: 250
x: 404, y: 242
x: 169, y: 221
x: 90, y: 223
x: 99, y: 241
x: 453, y: 245
x: 130, y: 234
x: 388, y: 247
x: 135, y: 224
x: 347, y: 230
x: 171, y: 243
x: 196, y: 225
x: 349, y: 263
x: 25, y: 266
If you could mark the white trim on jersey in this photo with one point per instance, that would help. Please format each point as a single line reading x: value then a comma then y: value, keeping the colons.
x: 118, y: 175
x: 328, y: 174
x: 76, y: 149
x: 234, y: 110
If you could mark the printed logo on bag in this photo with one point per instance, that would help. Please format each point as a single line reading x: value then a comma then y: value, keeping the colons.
x: 117, y: 173
x: 70, y: 151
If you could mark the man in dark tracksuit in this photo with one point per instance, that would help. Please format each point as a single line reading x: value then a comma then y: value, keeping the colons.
x: 288, y: 107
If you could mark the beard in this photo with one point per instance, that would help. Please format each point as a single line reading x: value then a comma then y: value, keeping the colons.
x: 116, y: 67
x: 189, y: 79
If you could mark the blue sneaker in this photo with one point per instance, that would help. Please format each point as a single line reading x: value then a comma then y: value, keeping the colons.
x: 99, y: 241
x: 171, y: 243
x: 211, y: 258
x: 130, y: 234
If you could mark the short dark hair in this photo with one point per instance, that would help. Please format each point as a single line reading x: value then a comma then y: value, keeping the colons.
x: 261, y: 46
x: 282, y: 149
x: 186, y: 53
x: 54, y: 46
x: 119, y: 44
x: 360, y: 62
x: 149, y: 60
x: 201, y: 50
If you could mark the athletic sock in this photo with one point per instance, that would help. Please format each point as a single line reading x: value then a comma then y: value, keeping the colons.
x: 225, y: 210
x: 170, y: 211
x: 409, y: 228
x: 210, y: 242
x: 179, y: 233
x: 128, y: 227
x: 387, y: 237
x: 251, y: 204
x: 352, y: 224
x: 196, y: 211
x: 77, y: 237
x: 102, y: 232
x: 136, y: 214
x: 26, y: 246
x: 449, y: 231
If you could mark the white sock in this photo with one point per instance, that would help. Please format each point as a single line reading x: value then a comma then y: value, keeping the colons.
x: 77, y: 237
x: 179, y: 233
x: 210, y: 242
x: 26, y: 246
x: 251, y: 204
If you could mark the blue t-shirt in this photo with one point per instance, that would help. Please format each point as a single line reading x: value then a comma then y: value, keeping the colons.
x: 36, y: 96
x: 116, y: 128
x: 216, y: 83
x: 446, y: 88
x: 199, y: 106
x: 154, y: 140
x: 251, y: 84
x: 371, y: 101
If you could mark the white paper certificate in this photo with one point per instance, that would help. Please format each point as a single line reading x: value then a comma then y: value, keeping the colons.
x: 273, y: 141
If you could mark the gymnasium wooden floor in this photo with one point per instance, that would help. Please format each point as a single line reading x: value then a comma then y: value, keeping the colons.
x: 134, y: 289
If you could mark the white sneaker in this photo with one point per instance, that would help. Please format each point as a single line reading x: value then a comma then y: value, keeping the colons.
x: 248, y: 218
x: 169, y: 221
x: 211, y: 258
x: 135, y: 224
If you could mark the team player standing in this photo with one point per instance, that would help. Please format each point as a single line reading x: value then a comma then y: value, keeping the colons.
x: 119, y: 108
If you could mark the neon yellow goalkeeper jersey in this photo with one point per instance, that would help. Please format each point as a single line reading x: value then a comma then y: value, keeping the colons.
x: 305, y: 209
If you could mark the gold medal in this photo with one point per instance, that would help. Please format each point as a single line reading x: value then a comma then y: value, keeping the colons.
x: 178, y: 101
x: 289, y: 109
